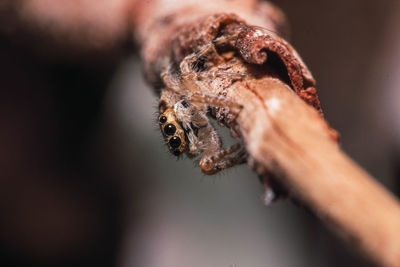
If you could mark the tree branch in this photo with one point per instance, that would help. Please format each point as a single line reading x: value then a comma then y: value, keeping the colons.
x: 283, y: 132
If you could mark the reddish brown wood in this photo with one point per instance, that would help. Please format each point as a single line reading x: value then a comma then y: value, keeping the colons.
x: 283, y: 135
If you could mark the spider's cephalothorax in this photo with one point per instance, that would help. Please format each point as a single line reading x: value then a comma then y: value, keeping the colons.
x: 173, y: 132
x: 187, y: 130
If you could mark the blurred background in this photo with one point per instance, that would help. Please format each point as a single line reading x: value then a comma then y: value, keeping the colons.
x: 87, y: 180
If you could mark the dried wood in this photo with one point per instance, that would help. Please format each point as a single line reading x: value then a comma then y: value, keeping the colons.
x: 280, y: 125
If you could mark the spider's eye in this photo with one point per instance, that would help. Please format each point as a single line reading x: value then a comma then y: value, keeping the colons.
x: 176, y: 152
x: 169, y: 129
x: 175, y: 142
x: 163, y: 119
x: 185, y: 104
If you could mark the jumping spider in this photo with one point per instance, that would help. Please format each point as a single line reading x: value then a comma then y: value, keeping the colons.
x: 184, y: 109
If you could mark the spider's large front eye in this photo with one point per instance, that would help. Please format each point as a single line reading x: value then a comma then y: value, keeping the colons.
x: 175, y: 142
x: 163, y: 119
x: 169, y: 129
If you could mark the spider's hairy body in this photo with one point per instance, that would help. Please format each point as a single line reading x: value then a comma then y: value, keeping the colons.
x: 184, y: 105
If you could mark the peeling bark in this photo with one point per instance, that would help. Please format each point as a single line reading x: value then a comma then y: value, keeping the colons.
x: 281, y: 124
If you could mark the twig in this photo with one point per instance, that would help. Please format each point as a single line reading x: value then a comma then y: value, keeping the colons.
x: 282, y: 134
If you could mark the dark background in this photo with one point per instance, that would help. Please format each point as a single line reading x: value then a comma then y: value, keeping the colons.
x: 86, y: 179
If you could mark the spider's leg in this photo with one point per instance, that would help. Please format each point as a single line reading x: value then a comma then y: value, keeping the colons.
x: 171, y: 82
x: 215, y: 101
x: 219, y: 155
x: 214, y: 158
x: 221, y: 72
x: 224, y: 73
x: 221, y: 160
x: 189, y: 62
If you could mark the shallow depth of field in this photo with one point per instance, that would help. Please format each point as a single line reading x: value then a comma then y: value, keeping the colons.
x: 86, y: 178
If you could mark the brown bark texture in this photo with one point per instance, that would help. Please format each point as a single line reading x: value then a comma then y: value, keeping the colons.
x: 281, y: 124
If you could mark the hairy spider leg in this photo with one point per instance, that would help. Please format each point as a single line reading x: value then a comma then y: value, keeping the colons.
x: 188, y: 65
x: 215, y: 101
x: 225, y: 152
x: 228, y: 162
x: 210, y: 75
x: 226, y: 73
x: 188, y: 62
x: 211, y: 164
x: 178, y: 85
x: 171, y: 82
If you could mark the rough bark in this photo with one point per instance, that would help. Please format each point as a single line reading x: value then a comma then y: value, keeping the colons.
x: 280, y: 124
